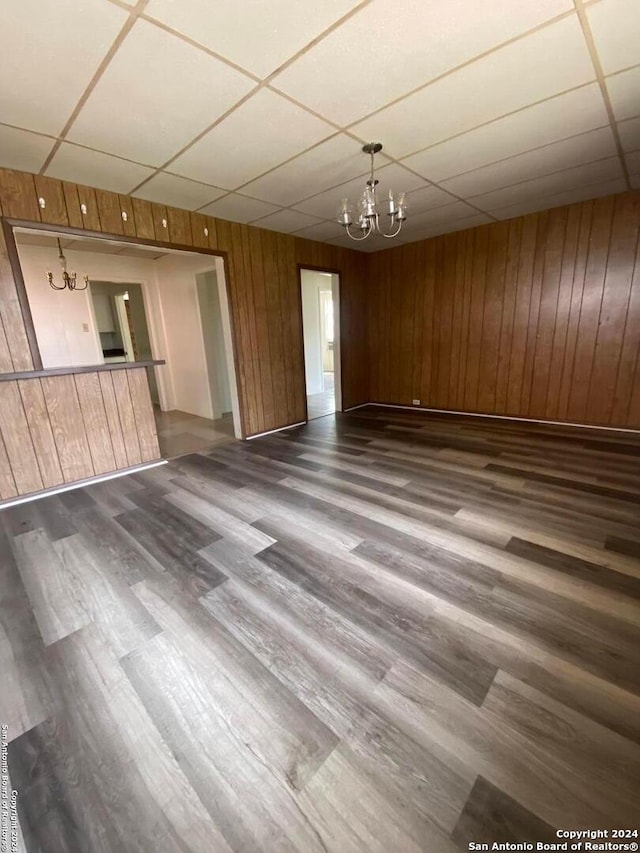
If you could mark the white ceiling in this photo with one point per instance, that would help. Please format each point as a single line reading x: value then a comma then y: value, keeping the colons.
x: 256, y: 110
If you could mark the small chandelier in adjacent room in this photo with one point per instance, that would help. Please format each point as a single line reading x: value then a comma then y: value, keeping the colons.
x: 368, y: 218
x: 68, y: 279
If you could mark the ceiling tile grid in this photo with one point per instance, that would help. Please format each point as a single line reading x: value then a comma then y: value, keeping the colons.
x: 256, y: 110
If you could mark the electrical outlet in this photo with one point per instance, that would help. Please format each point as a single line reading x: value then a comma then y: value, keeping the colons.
x: 85, y: 327
x: 416, y: 402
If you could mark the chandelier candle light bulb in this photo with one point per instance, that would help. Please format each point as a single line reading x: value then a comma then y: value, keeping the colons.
x: 369, y: 218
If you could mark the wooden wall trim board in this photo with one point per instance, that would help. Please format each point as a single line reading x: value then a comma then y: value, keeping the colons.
x: 537, y: 317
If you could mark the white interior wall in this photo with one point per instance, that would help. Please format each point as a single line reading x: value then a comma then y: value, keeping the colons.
x: 312, y: 283
x: 64, y: 320
x: 182, y: 322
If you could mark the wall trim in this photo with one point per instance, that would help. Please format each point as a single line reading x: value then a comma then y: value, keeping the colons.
x: 495, y: 417
x: 271, y: 431
x: 89, y: 481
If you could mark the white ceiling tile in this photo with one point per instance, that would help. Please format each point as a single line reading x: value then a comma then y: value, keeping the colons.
x: 586, y: 148
x: 633, y: 162
x: 22, y: 150
x: 592, y: 173
x: 570, y: 196
x: 251, y: 141
x: 286, y: 221
x: 437, y: 228
x: 630, y: 134
x: 562, y: 116
x: 615, y: 25
x: 327, y: 165
x: 323, y: 231
x: 427, y: 198
x: 392, y: 177
x: 239, y: 208
x: 258, y: 35
x: 155, y: 96
x: 624, y: 89
x: 374, y: 243
x: 48, y: 54
x: 439, y: 217
x: 551, y: 60
x: 83, y: 166
x: 178, y: 192
x: 408, y: 44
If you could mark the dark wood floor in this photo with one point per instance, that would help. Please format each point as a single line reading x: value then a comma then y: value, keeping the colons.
x: 380, y: 632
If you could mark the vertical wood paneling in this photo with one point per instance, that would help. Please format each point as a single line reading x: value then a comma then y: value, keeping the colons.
x: 179, y: 226
x: 90, y: 219
x: 113, y: 419
x: 109, y: 212
x: 127, y: 417
x: 129, y: 224
x: 17, y: 440
x: 55, y: 209
x: 7, y: 483
x: 68, y: 427
x: 614, y: 309
x: 95, y: 421
x: 492, y: 316
x: 548, y: 310
x: 72, y: 203
x: 537, y: 317
x: 143, y: 216
x: 508, y: 313
x: 592, y: 294
x: 160, y: 222
x: 198, y: 224
x: 35, y: 410
x: 143, y: 413
x: 18, y: 197
x: 563, y: 311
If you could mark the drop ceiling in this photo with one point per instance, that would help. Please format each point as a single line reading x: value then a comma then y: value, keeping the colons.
x: 256, y: 110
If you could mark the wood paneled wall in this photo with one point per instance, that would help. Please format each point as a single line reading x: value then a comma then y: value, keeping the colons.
x: 537, y: 317
x: 263, y: 285
x: 60, y: 429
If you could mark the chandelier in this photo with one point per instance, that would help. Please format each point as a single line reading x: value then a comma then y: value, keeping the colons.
x: 368, y: 218
x: 68, y: 279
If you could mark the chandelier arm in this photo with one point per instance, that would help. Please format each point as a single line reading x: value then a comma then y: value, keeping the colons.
x: 395, y: 233
x: 52, y: 283
x: 358, y: 239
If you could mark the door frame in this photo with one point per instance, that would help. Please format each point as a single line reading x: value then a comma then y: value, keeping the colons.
x: 337, y: 333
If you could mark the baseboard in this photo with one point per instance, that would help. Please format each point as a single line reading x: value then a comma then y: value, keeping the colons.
x: 271, y: 431
x: 89, y: 481
x: 495, y: 417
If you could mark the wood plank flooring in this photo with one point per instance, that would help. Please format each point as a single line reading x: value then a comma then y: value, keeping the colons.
x: 384, y: 631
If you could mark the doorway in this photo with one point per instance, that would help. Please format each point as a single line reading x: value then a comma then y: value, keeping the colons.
x: 321, y: 331
x: 214, y: 344
x: 121, y: 325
